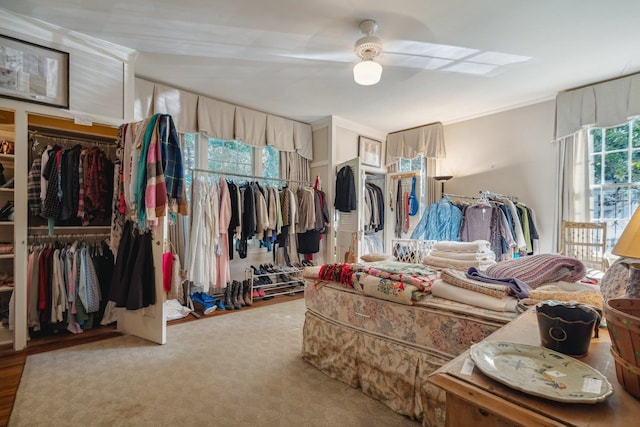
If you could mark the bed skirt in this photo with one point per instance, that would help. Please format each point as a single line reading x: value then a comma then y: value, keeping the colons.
x: 388, y: 349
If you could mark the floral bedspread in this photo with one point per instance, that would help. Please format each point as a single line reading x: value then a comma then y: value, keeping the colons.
x: 388, y: 349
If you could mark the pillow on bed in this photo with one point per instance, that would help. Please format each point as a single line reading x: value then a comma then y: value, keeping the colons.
x: 377, y: 257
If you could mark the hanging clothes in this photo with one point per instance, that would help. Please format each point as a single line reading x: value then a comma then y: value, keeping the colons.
x: 61, y: 280
x: 345, y: 200
x: 150, y: 184
x: 440, y: 221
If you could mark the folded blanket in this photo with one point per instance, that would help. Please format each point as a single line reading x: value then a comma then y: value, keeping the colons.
x: 385, y: 289
x: 563, y: 291
x: 459, y: 278
x: 465, y: 256
x: 413, y: 274
x: 535, y: 270
x: 475, y: 246
x: 456, y: 264
x: 444, y: 290
x: 518, y: 287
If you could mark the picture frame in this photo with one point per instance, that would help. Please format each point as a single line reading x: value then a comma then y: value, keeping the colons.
x: 370, y: 151
x: 33, y: 73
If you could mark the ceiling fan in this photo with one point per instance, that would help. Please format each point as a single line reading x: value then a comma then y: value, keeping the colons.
x: 423, y: 55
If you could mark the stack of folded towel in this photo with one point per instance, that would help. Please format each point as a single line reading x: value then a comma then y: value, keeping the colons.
x: 461, y: 255
x: 460, y: 286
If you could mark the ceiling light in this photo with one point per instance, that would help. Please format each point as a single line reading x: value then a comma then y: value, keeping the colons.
x: 367, y: 72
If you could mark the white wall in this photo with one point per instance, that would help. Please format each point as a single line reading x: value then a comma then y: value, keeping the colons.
x: 100, y: 73
x: 510, y: 153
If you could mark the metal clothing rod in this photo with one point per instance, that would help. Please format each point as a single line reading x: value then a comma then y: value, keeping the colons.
x: 503, y: 196
x: 457, y: 196
x: 309, y: 183
x: 68, y: 236
x: 71, y: 139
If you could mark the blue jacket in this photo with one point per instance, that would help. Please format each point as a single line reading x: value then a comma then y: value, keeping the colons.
x: 440, y: 221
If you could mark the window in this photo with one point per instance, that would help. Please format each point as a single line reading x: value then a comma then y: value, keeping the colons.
x: 270, y: 162
x: 229, y: 156
x: 188, y: 159
x: 406, y: 165
x: 614, y: 160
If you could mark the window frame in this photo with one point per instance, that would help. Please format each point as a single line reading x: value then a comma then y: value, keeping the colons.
x: 600, y: 199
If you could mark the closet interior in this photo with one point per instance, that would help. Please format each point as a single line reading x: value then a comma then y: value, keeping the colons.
x: 69, y: 201
x: 7, y: 221
x: 373, y: 220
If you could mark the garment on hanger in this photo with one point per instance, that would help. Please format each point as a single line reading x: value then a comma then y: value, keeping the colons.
x: 440, y: 221
x: 148, y: 186
x: 345, y: 200
x: 224, y: 221
x: 65, y: 289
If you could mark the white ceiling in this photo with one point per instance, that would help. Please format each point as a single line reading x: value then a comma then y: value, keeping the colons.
x: 265, y: 54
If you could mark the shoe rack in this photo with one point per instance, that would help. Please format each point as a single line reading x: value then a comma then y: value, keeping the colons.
x: 7, y: 235
x: 268, y: 281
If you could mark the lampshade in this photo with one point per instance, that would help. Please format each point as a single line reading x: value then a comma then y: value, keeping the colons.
x: 367, y: 72
x: 628, y: 245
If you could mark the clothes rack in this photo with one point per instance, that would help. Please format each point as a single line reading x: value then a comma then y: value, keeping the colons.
x: 239, y: 175
x: 490, y: 194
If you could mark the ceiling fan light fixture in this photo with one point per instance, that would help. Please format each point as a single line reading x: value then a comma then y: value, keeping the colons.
x: 367, y: 72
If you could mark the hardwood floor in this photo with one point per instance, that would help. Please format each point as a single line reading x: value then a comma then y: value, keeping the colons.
x: 12, y: 362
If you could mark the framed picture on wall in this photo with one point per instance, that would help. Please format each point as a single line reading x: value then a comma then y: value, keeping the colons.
x: 33, y: 73
x: 370, y: 152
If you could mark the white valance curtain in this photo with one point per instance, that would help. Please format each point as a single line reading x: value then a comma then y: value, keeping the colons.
x: 606, y: 104
x: 426, y: 140
x: 195, y: 113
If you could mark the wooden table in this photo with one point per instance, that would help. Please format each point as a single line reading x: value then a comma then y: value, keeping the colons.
x: 477, y: 400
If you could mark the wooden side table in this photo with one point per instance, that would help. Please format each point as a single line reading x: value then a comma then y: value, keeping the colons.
x: 479, y: 401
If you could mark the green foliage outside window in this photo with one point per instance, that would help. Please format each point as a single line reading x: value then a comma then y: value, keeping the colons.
x: 615, y: 175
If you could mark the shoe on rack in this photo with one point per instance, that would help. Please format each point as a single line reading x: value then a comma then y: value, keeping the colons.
x: 8, y: 184
x: 6, y: 211
x: 255, y: 294
x: 261, y: 293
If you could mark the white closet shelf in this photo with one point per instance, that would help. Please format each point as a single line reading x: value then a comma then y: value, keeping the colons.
x: 6, y: 222
x: 7, y: 156
x: 6, y: 288
x: 6, y: 256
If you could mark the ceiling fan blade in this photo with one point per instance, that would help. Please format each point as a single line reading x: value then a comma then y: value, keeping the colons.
x: 325, y: 56
x: 431, y: 50
x: 396, y: 59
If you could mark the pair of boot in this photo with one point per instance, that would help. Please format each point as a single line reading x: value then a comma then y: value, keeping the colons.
x: 236, y: 294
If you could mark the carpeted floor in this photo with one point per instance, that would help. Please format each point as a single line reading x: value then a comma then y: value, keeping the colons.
x: 242, y: 369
